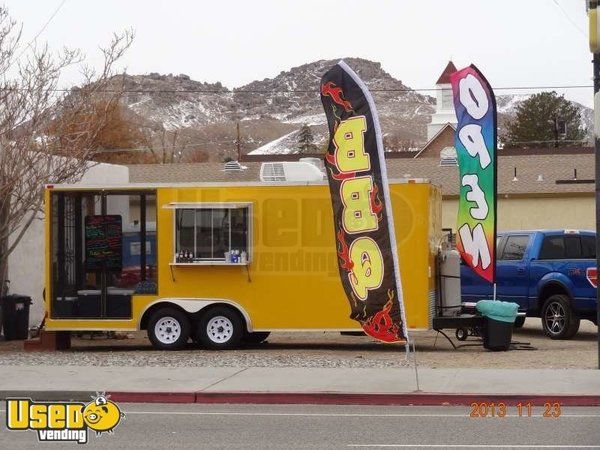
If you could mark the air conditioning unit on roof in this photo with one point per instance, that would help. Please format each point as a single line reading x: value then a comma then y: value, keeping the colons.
x: 292, y: 171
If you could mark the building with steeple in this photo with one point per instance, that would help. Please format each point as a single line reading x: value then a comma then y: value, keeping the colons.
x: 444, y: 106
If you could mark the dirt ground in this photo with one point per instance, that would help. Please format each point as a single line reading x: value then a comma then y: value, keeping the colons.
x: 328, y: 350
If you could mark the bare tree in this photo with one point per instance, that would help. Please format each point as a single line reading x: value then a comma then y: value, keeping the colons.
x: 46, y: 133
x: 166, y: 147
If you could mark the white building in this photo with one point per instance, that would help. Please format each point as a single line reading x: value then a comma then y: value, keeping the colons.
x: 444, y: 106
x: 26, y: 264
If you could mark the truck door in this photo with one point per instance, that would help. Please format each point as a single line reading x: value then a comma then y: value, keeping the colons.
x: 513, y: 270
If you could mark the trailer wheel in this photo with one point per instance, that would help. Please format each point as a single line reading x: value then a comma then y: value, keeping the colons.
x: 461, y: 334
x: 220, y: 328
x: 168, y: 329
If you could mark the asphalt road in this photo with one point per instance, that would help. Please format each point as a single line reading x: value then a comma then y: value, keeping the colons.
x: 308, y: 426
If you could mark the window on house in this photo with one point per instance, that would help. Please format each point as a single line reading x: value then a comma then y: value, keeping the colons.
x: 447, y: 99
x: 211, y: 234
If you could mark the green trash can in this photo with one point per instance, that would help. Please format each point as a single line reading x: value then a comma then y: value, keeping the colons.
x: 498, y: 326
x: 15, y: 317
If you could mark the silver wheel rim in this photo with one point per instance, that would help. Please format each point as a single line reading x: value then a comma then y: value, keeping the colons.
x: 167, y: 330
x: 555, y: 318
x: 219, y: 329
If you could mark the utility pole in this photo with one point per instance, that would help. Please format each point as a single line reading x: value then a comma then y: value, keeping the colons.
x: 555, y: 129
x: 238, y: 143
x: 593, y: 15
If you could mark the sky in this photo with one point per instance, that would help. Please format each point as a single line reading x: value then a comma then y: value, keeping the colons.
x: 515, y: 43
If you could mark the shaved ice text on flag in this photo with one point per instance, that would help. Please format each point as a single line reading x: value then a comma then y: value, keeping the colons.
x: 475, y: 142
x: 364, y: 228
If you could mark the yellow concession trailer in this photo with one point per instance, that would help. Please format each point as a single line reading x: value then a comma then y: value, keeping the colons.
x: 219, y: 263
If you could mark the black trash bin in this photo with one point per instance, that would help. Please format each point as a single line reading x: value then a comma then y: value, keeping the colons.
x: 15, y: 317
x: 498, y: 324
x: 497, y: 335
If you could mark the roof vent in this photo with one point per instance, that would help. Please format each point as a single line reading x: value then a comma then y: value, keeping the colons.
x: 293, y: 171
x: 232, y: 166
x: 448, y: 157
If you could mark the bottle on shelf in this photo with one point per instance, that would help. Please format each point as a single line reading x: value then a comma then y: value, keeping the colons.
x: 244, y: 257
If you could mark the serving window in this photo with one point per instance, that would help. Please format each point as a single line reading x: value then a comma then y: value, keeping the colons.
x: 208, y: 234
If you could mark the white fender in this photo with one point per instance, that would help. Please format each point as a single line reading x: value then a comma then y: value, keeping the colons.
x: 193, y: 305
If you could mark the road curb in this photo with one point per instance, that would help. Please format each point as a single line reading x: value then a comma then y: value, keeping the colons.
x: 312, y: 398
x: 336, y: 398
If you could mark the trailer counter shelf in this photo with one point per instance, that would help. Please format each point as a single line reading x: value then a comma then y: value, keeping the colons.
x: 122, y: 272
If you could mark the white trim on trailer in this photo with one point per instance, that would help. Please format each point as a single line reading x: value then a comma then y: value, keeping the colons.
x: 109, y: 187
x: 193, y: 305
x: 207, y: 205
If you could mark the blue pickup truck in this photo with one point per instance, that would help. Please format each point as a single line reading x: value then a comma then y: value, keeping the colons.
x: 551, y: 274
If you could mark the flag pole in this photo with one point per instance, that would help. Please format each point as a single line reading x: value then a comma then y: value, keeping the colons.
x: 594, y: 37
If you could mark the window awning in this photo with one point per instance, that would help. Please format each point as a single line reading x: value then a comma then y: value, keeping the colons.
x: 206, y: 205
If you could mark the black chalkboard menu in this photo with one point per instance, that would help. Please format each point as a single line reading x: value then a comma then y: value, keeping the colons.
x: 103, y: 243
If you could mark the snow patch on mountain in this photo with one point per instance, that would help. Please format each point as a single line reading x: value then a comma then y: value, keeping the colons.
x: 284, y: 145
x: 309, y: 119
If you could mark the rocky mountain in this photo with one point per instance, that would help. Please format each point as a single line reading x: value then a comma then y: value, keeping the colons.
x: 271, y: 111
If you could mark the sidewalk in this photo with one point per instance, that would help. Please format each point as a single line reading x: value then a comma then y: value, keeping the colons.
x: 301, y: 385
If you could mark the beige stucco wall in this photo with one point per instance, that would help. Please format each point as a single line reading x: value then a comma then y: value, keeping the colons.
x: 26, y: 262
x: 576, y: 212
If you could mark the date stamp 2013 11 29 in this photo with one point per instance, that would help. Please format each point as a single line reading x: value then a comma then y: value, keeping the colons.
x: 500, y: 409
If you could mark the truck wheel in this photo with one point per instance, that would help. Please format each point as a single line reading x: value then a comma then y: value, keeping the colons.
x: 256, y: 337
x: 168, y: 329
x: 220, y: 328
x: 558, y: 318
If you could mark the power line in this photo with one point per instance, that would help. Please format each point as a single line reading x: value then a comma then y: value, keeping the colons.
x: 572, y: 141
x: 292, y: 91
x: 42, y: 29
x: 171, y: 147
x: 564, y: 13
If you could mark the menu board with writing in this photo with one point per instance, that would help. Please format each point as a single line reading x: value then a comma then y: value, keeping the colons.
x: 103, y: 243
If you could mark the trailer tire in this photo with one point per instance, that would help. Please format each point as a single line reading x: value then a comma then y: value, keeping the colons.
x: 220, y: 328
x: 169, y: 329
x: 558, y: 318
